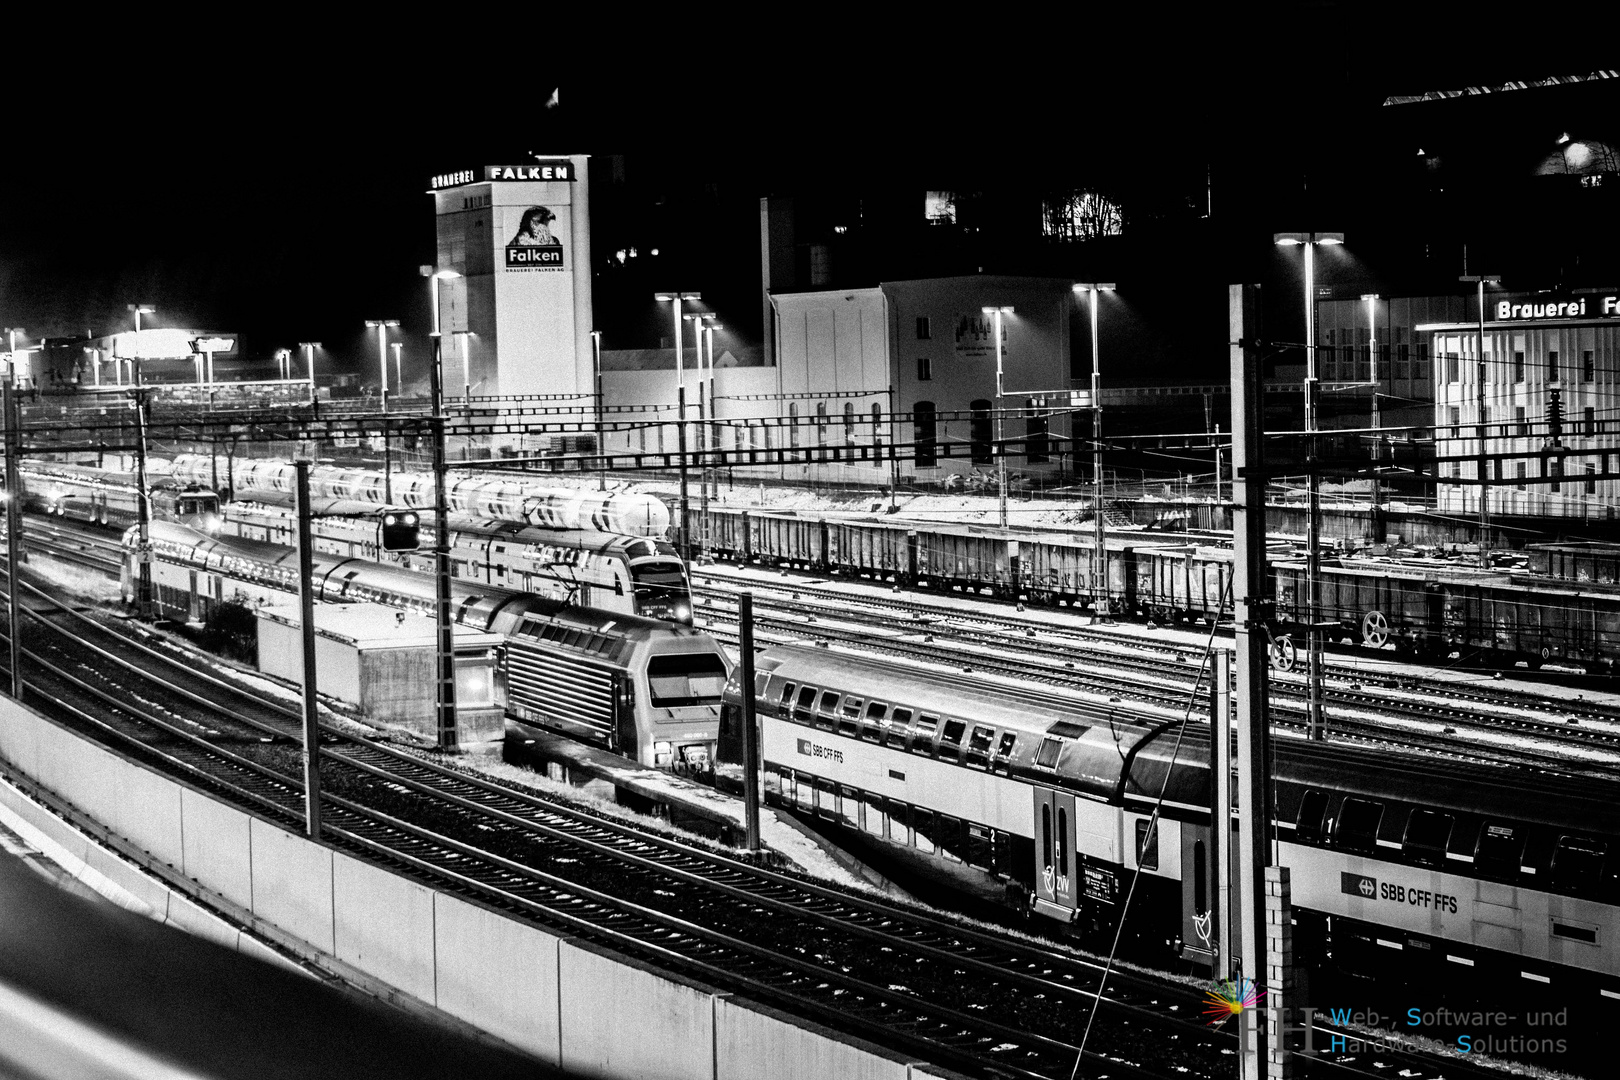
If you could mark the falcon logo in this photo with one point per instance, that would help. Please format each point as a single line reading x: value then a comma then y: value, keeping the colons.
x: 1358, y: 885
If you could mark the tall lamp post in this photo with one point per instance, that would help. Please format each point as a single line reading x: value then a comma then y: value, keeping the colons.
x: 675, y: 300
x: 137, y: 310
x: 601, y: 451
x: 709, y: 327
x: 1313, y: 535
x: 382, y: 327
x: 1001, y: 447
x: 1480, y: 281
x: 399, y: 367
x: 1371, y: 300
x: 1099, y: 528
x: 466, y: 367
x: 447, y: 737
x: 309, y: 348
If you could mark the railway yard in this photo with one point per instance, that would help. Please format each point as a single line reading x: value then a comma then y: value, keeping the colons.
x: 966, y: 981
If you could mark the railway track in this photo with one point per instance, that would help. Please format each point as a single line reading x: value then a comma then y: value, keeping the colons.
x: 1155, y: 677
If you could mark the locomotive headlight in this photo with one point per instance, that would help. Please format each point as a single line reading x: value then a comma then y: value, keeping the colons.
x: 389, y: 519
x: 663, y: 754
x: 683, y: 611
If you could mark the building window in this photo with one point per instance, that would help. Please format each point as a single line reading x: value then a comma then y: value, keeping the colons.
x: 1518, y: 365
x: 939, y: 208
x: 925, y: 435
x: 793, y: 424
x: 1081, y: 215
x: 925, y: 369
x: 1555, y: 468
x: 1498, y: 464
x: 821, y: 423
x: 979, y: 433
x: 1518, y: 474
x: 1420, y: 369
x: 1591, y: 481
x: 1590, y: 425
x: 922, y: 328
x: 1403, y: 361
x: 1453, y: 367
x: 1588, y: 366
x: 1518, y: 418
x: 1552, y: 365
x: 1456, y: 420
x: 849, y: 420
x: 1484, y: 414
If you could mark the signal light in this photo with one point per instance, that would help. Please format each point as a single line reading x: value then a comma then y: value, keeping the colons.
x: 400, y: 530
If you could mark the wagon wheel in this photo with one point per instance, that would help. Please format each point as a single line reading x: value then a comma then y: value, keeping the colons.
x: 1283, y: 654
x: 1374, y: 629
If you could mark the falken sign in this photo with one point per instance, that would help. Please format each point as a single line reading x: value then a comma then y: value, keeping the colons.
x: 543, y: 171
x: 1607, y: 307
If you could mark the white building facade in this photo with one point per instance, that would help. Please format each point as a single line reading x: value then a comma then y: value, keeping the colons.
x: 1538, y: 350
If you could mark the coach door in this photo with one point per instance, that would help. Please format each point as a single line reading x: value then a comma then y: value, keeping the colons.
x: 1056, y: 882
x: 194, y: 613
x: 1198, y: 920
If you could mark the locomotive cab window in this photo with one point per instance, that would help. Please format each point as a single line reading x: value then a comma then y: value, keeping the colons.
x: 1427, y: 834
x: 1577, y: 865
x: 1147, y: 845
x: 1047, y: 756
x: 1312, y: 814
x: 876, y: 720
x: 682, y: 679
x: 1499, y: 852
x: 1357, y: 828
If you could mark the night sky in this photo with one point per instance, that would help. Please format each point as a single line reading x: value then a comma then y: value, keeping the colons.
x: 271, y: 182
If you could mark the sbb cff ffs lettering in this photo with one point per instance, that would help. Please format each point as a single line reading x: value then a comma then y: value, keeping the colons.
x: 400, y: 530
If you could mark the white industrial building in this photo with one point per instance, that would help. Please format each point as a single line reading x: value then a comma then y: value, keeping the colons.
x: 1534, y: 347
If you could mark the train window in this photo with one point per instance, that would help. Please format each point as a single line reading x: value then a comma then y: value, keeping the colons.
x: 1312, y: 814
x: 948, y: 837
x: 1147, y: 844
x: 979, y: 847
x: 804, y: 794
x: 1061, y: 847
x: 876, y: 721
x: 801, y: 712
x: 1008, y: 740
x: 1200, y: 880
x: 1046, y: 837
x: 849, y: 807
x: 1047, y: 756
x: 1427, y: 834
x: 683, y: 679
x: 874, y: 819
x: 826, y: 799
x: 1357, y: 828
x: 786, y: 701
x: 922, y: 735
x: 950, y: 739
x: 827, y: 714
x: 922, y: 826
x: 1577, y: 864
x: 778, y: 787
x: 849, y: 722
x: 898, y: 723
x: 900, y: 822
x: 1499, y: 851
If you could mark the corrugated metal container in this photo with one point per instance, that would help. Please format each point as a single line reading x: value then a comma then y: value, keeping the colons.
x: 385, y: 662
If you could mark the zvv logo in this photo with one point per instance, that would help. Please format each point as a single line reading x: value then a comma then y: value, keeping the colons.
x: 1358, y: 885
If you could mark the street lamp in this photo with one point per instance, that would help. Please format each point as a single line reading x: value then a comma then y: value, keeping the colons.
x: 138, y: 310
x: 601, y: 451
x: 675, y: 299
x: 309, y: 348
x: 1371, y: 300
x: 399, y: 369
x: 1313, y: 535
x: 1099, y: 555
x: 382, y: 326
x: 1480, y: 281
x: 1001, y: 469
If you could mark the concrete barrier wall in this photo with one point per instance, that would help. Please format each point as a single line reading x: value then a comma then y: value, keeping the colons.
x: 568, y: 1003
